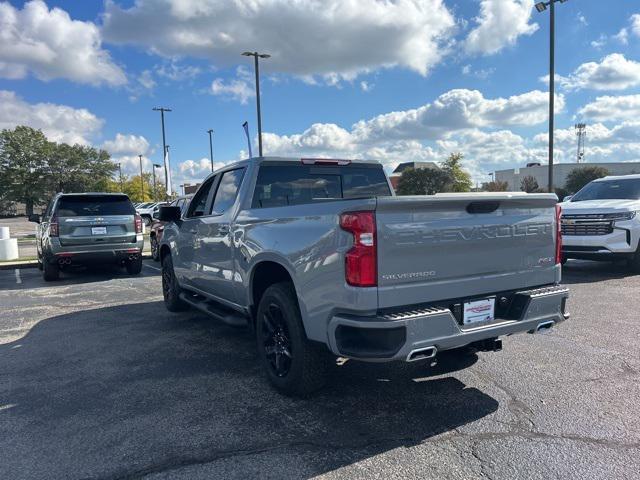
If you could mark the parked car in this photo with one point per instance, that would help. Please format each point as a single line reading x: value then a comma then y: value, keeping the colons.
x: 319, y: 256
x: 88, y: 228
x: 157, y: 227
x: 145, y: 211
x: 600, y: 222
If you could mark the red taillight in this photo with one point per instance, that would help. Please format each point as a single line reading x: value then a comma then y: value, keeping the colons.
x: 53, y: 227
x: 138, y: 224
x: 361, y: 260
x: 558, y: 234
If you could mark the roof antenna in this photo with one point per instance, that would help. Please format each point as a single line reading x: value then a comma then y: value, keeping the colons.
x: 245, y: 125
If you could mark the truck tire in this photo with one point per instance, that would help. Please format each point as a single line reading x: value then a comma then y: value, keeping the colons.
x: 634, y: 263
x: 155, y: 248
x: 50, y: 271
x: 134, y: 267
x: 170, y: 288
x: 294, y: 365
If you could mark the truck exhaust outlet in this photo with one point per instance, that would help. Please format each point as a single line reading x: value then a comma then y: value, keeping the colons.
x: 422, y: 354
x: 544, y: 326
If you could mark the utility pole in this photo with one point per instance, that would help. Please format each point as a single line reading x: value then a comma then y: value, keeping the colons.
x: 141, y: 177
x: 155, y: 165
x: 541, y: 7
x: 164, y: 144
x: 581, y: 133
x: 210, y: 132
x: 120, y: 171
x: 256, y: 56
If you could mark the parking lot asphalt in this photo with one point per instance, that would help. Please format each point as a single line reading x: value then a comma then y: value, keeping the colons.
x: 98, y: 380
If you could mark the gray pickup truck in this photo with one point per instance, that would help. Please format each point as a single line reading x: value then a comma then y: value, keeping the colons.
x: 319, y: 257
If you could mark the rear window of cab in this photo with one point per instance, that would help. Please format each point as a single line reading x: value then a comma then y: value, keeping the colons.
x: 282, y: 185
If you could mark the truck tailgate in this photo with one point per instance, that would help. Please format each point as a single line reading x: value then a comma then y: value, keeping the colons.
x: 447, y: 246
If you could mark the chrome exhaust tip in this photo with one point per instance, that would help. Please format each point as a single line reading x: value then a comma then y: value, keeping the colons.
x: 424, y: 353
x: 544, y: 326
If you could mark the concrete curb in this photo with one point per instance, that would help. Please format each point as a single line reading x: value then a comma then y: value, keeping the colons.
x: 34, y: 263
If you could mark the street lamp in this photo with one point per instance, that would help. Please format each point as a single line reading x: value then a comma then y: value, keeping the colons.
x: 164, y: 144
x: 541, y: 7
x: 155, y: 165
x: 255, y: 56
x: 141, y: 179
x: 210, y: 132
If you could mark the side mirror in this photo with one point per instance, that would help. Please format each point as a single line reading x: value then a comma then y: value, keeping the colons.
x: 34, y: 217
x: 567, y: 198
x: 169, y: 214
x: 156, y: 214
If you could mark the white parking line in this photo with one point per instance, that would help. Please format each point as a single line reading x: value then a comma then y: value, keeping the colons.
x: 18, y: 277
x: 152, y: 268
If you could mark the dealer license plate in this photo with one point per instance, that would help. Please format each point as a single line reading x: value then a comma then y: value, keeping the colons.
x: 479, y: 311
x: 98, y: 230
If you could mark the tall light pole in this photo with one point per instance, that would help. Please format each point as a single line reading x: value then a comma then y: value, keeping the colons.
x: 155, y: 165
x: 141, y: 178
x: 541, y: 7
x: 164, y: 143
x: 120, y: 171
x: 256, y: 56
x: 210, y: 132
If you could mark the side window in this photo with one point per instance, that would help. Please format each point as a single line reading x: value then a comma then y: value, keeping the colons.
x: 227, y: 190
x: 199, y: 203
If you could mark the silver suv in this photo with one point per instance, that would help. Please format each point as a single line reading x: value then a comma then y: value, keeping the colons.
x: 84, y: 228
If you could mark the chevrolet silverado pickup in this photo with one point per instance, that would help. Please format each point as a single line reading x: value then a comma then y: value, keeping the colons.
x: 600, y: 222
x: 319, y: 257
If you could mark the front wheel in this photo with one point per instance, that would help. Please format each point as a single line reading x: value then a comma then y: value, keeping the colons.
x: 155, y: 251
x: 294, y: 365
x: 170, y: 288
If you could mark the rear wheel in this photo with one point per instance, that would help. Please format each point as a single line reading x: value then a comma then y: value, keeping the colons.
x: 50, y: 271
x: 170, y: 288
x: 134, y: 267
x: 294, y: 365
x: 155, y: 252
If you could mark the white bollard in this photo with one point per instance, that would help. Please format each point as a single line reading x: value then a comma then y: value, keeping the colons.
x: 9, y: 249
x: 4, y: 233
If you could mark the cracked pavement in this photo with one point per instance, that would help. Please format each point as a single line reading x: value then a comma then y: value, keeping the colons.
x: 98, y: 380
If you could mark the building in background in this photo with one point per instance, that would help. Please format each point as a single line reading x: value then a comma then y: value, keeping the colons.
x: 514, y: 176
x: 397, y: 173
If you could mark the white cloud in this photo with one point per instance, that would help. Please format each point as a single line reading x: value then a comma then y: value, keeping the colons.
x: 235, y: 89
x: 146, y: 80
x: 176, y: 72
x: 622, y: 36
x: 60, y: 123
x: 366, y: 86
x: 127, y: 144
x: 51, y: 45
x: 456, y: 110
x: 582, y: 19
x: 613, y: 72
x: 332, y: 37
x: 499, y: 25
x: 635, y: 24
x: 193, y: 171
x: 607, y: 108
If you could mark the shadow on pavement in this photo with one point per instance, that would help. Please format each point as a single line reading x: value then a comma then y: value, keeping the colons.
x: 126, y: 391
x: 585, y: 271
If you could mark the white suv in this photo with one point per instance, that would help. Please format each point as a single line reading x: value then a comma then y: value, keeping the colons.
x: 600, y: 222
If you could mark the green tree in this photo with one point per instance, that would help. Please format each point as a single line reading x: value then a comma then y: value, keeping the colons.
x: 424, y: 181
x: 461, y: 178
x: 529, y: 184
x: 579, y: 177
x: 496, y: 186
x: 79, y: 168
x: 24, y: 154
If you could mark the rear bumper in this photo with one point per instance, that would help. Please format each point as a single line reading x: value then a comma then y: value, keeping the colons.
x: 83, y: 254
x: 396, y: 336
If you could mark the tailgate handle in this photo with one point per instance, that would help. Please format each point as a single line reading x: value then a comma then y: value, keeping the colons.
x: 482, y: 207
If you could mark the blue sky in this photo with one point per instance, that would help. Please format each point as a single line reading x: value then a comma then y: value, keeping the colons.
x: 390, y: 81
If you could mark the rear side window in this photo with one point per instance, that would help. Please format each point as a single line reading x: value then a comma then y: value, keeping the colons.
x: 227, y: 190
x: 277, y: 185
x: 94, y: 205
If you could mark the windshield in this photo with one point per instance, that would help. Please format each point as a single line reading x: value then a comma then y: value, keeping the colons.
x: 610, y: 190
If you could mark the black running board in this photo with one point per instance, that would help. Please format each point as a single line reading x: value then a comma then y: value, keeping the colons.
x: 227, y: 316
